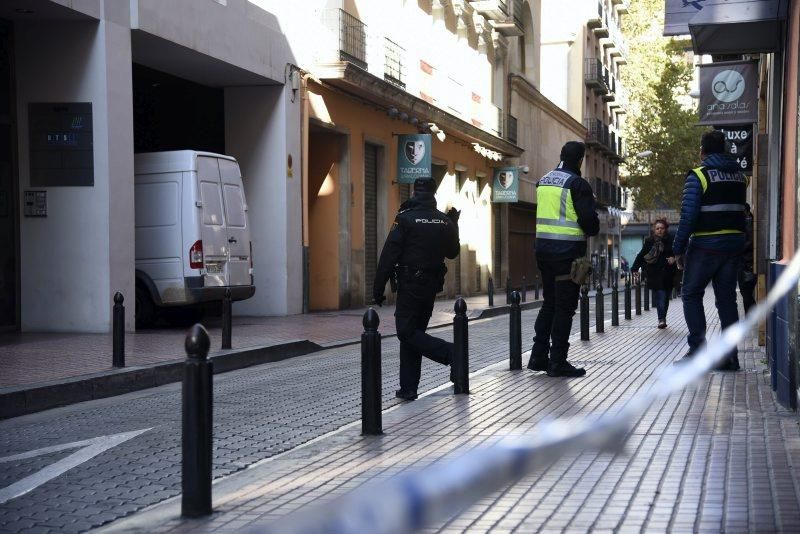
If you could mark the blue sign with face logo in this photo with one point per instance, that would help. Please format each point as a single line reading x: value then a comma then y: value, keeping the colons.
x: 413, y: 157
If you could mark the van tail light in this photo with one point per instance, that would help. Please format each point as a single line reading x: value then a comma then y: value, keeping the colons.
x: 196, y: 255
x: 251, y: 257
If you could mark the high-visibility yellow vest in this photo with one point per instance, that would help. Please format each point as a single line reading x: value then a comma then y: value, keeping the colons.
x: 722, y: 203
x: 555, y: 213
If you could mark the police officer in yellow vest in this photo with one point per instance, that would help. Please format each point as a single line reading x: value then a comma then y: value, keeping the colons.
x: 711, y: 233
x: 565, y: 217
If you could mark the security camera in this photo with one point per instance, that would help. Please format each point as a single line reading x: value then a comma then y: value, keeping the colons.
x: 526, y: 169
x: 440, y: 135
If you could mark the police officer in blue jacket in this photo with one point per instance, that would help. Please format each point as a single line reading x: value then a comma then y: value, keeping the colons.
x: 420, y: 238
x: 711, y: 234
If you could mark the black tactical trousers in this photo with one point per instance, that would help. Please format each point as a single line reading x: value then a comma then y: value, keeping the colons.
x: 411, y: 316
x: 554, y: 322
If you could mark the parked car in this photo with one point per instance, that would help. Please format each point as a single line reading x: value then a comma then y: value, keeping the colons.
x: 192, y: 232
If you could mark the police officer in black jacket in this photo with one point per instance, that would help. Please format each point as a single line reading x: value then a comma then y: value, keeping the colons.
x: 420, y: 238
x: 565, y: 217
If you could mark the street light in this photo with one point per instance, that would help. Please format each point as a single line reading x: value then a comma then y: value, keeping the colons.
x: 644, y: 154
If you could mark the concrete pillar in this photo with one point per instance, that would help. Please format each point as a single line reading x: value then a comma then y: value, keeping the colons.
x: 262, y: 131
x: 76, y: 258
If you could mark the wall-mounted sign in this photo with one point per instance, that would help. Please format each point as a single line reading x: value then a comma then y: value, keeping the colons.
x: 739, y: 144
x: 61, y: 146
x: 729, y: 93
x: 505, y: 187
x: 35, y: 204
x: 413, y: 157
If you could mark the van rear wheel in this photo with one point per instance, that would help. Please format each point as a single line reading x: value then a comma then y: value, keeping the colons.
x: 145, y: 312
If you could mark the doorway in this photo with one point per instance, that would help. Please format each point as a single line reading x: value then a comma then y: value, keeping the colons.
x: 9, y: 230
x: 328, y: 205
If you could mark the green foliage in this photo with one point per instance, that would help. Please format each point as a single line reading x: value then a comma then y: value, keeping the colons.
x: 661, y: 117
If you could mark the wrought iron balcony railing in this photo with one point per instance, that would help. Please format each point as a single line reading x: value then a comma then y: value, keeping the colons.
x: 352, y: 36
x: 595, y: 75
x: 393, y: 67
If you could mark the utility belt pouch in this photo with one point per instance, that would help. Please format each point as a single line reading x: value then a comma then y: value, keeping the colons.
x: 579, y: 272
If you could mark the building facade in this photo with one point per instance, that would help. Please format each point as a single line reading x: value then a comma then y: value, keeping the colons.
x: 583, y: 50
x: 146, y: 76
x: 768, y: 32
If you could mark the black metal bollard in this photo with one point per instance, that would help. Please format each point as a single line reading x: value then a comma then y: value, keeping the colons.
x: 460, y: 349
x: 536, y: 289
x: 197, y: 425
x: 226, y: 319
x: 524, y: 291
x: 515, y: 333
x: 615, y: 305
x: 118, y: 326
x: 371, y: 418
x: 646, y: 291
x: 490, y: 290
x: 600, y: 312
x: 638, y: 296
x: 585, y: 312
x: 628, y: 297
x: 508, y: 290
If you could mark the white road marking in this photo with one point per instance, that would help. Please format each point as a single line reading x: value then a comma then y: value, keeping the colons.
x: 89, y: 449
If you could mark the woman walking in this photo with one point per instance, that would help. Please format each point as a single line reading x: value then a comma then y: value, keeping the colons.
x: 658, y: 261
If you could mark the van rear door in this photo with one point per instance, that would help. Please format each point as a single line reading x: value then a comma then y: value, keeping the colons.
x: 238, y: 236
x: 213, y: 230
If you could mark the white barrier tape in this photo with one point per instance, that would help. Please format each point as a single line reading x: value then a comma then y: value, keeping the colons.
x: 412, y: 500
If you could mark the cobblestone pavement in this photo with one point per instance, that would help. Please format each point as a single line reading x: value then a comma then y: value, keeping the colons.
x: 716, y: 457
x: 259, y: 412
x: 27, y: 358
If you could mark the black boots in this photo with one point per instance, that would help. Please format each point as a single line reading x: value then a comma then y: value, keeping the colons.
x: 537, y: 363
x: 555, y: 369
x: 564, y: 369
x: 405, y: 395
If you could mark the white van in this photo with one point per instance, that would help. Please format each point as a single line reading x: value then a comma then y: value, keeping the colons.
x: 192, y: 233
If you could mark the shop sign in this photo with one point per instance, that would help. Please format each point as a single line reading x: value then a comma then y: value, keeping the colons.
x: 739, y: 144
x: 505, y: 187
x: 413, y: 157
x: 729, y: 93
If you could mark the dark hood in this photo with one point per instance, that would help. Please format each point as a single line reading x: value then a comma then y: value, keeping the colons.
x: 419, y: 200
x: 723, y: 162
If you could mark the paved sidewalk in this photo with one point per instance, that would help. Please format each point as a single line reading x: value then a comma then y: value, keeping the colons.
x: 715, y: 457
x: 34, y: 358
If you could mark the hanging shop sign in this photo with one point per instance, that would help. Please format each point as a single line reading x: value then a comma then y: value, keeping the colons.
x: 729, y: 93
x: 739, y: 144
x: 505, y: 187
x: 413, y: 157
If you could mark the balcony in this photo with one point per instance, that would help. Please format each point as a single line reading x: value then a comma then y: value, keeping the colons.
x: 595, y: 132
x: 622, y: 6
x: 610, y: 84
x: 616, y: 41
x: 510, y: 25
x: 352, y: 36
x: 511, y: 129
x: 595, y: 75
x: 491, y: 9
x: 393, y: 67
x: 598, y: 22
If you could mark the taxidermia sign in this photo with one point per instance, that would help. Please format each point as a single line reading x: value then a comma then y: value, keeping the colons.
x: 729, y: 93
x: 413, y: 157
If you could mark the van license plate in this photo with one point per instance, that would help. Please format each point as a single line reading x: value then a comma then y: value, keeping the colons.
x: 214, y: 268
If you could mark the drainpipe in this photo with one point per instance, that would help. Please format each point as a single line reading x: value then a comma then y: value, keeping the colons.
x: 304, y: 184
